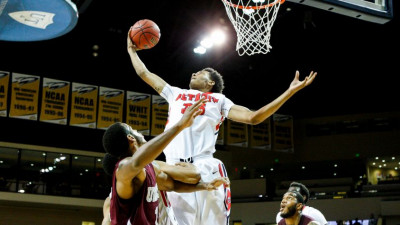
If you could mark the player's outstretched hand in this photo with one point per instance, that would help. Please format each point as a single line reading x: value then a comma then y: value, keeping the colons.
x: 297, y: 85
x: 214, y: 184
x: 130, y: 44
x: 192, y: 112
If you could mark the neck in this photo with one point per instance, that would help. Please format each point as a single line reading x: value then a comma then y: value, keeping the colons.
x: 204, y: 90
x: 294, y: 220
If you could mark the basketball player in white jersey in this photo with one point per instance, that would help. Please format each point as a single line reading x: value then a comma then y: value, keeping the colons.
x: 197, y: 143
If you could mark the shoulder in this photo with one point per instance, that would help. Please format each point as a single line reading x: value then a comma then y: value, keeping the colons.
x: 308, y: 220
x: 313, y: 222
x: 315, y: 214
x: 281, y: 222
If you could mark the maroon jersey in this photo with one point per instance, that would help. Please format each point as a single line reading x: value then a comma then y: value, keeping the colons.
x: 141, y: 208
x: 304, y: 220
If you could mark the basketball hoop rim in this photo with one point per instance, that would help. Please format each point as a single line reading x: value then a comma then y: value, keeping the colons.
x: 254, y: 7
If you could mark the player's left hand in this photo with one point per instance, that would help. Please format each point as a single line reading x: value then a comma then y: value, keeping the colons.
x: 214, y: 184
x: 297, y: 85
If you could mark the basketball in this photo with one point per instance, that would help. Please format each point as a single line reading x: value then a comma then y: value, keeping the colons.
x: 145, y: 34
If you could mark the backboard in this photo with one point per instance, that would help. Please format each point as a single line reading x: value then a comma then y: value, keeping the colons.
x: 376, y: 11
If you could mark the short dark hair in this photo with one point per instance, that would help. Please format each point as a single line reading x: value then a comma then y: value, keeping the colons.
x: 302, y: 189
x: 115, y: 141
x: 217, y: 78
x: 298, y: 196
x: 109, y: 162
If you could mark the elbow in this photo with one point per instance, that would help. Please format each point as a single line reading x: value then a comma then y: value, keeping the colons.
x: 141, y: 73
x: 253, y: 121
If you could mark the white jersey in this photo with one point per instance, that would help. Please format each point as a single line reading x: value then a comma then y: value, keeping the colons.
x: 201, y: 137
x: 314, y: 213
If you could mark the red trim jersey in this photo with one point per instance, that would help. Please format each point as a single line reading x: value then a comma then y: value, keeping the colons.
x: 142, y: 208
x: 201, y: 137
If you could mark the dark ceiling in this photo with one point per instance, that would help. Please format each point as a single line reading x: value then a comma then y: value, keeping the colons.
x: 355, y: 59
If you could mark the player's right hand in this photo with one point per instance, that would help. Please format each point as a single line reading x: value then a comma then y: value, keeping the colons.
x: 130, y: 44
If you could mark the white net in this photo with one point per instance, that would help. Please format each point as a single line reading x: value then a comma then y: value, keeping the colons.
x: 252, y: 20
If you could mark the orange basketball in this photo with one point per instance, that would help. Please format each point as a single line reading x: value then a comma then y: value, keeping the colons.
x: 145, y: 34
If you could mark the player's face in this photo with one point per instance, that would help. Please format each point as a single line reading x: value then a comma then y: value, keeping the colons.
x: 200, y: 80
x: 288, y: 205
x: 138, y: 136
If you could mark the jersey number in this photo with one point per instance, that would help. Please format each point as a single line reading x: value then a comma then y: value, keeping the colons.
x: 186, y: 105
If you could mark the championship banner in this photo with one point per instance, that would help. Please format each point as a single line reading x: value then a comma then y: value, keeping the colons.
x: 4, y: 82
x: 138, y: 111
x: 260, y: 135
x: 159, y: 114
x: 55, y: 95
x: 83, y: 105
x: 283, y: 133
x: 236, y: 134
x: 111, y: 103
x: 24, y: 96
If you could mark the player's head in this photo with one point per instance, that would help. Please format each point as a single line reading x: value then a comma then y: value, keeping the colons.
x: 120, y: 140
x: 299, y: 187
x: 291, y: 204
x: 109, y: 162
x: 207, y: 80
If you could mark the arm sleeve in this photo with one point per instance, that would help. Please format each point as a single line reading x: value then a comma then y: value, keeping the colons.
x: 168, y: 92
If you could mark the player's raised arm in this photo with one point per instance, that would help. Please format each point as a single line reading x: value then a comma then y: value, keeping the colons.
x: 131, y: 166
x: 156, y: 82
x: 244, y: 115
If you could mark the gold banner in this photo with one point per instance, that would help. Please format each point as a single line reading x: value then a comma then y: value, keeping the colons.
x: 83, y: 105
x: 159, y: 115
x: 236, y: 134
x: 138, y: 111
x: 283, y: 133
x: 4, y: 82
x: 260, y: 135
x: 111, y: 103
x: 24, y: 96
x: 55, y: 95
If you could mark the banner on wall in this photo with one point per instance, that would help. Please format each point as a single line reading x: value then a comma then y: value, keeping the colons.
x: 83, y: 105
x: 111, y: 103
x: 283, y: 133
x: 24, y: 96
x: 138, y: 111
x: 4, y: 82
x: 260, y: 135
x: 236, y: 134
x: 159, y: 114
x: 55, y: 95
